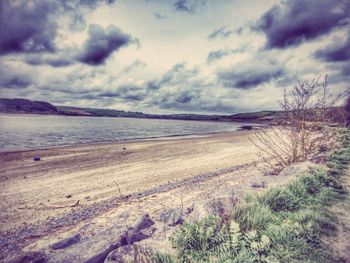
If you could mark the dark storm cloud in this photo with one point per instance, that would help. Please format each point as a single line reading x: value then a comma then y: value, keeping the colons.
x: 189, y: 100
x: 27, y: 26
x: 102, y: 43
x: 108, y: 94
x: 15, y: 82
x: 127, y: 92
x: 216, y: 55
x: 95, y: 50
x: 175, y: 100
x: 338, y: 51
x: 184, y: 98
x: 184, y: 6
x: 31, y: 26
x: 61, y: 60
x: 248, y: 77
x: 222, y: 32
x: 153, y: 85
x: 296, y: 21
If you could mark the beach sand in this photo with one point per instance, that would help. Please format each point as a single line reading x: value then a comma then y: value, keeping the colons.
x: 31, y: 190
x: 116, y: 183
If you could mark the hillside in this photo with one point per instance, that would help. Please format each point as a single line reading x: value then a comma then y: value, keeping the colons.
x: 24, y: 106
x: 75, y: 111
x: 260, y: 116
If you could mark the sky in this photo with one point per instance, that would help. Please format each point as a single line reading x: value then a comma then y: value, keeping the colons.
x: 171, y: 56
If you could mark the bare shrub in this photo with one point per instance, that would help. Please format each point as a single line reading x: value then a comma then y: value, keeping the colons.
x: 303, y: 128
x: 347, y: 111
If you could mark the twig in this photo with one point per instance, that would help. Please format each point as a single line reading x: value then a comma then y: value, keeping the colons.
x: 120, y: 193
x: 51, y: 206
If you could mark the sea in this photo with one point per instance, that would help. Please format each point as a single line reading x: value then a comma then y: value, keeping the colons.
x: 29, y: 132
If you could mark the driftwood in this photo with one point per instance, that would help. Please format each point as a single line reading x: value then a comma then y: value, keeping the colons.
x: 50, y: 206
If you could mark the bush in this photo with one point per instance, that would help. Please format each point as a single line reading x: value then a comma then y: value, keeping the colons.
x: 285, y: 224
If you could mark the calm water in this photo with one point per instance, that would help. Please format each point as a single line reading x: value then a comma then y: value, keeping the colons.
x: 21, y: 132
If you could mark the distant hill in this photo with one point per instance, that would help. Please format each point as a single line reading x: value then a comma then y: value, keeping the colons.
x: 260, y: 116
x: 26, y: 106
x: 40, y: 107
x: 75, y: 111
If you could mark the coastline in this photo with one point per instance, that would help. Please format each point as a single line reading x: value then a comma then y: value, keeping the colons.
x: 254, y: 126
x: 121, y: 141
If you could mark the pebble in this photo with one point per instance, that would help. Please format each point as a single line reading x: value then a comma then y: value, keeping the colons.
x: 67, y: 242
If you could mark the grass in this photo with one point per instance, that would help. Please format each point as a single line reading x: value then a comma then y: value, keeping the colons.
x: 284, y: 224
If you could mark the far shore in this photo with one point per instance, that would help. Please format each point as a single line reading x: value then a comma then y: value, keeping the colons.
x: 237, y: 120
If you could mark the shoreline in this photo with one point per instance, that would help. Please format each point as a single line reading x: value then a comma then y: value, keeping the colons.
x: 126, y: 141
x: 238, y: 120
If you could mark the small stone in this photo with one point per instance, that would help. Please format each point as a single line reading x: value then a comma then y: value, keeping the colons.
x: 190, y: 209
x: 132, y: 235
x: 246, y: 127
x: 258, y: 185
x: 67, y: 242
x: 172, y: 217
x: 144, y: 222
x: 68, y: 196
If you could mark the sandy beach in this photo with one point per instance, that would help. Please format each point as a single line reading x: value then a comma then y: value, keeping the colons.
x: 91, y: 189
x: 30, y: 190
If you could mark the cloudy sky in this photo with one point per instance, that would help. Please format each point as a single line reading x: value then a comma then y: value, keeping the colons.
x: 167, y: 56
